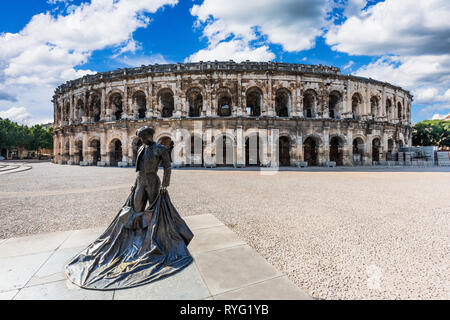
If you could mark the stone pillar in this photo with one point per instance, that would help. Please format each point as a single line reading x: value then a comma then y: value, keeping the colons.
x: 178, y: 104
x: 270, y: 106
x: 103, y: 104
x: 299, y: 156
x: 299, y: 97
x: 240, y: 147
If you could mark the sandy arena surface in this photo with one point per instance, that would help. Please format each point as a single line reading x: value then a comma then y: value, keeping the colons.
x: 338, y: 234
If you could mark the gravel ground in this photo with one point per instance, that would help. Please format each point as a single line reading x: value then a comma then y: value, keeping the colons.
x: 338, y: 234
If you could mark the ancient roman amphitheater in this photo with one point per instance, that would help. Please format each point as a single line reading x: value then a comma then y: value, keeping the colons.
x: 232, y: 114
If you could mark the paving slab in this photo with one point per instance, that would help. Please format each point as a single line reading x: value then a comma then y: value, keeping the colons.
x: 273, y: 289
x: 82, y: 238
x: 233, y: 268
x: 213, y: 238
x: 53, y: 269
x: 224, y: 267
x: 184, y: 285
x: 61, y: 290
x: 32, y: 244
x: 15, y: 272
x: 202, y: 221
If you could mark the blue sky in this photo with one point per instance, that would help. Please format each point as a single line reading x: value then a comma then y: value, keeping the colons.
x: 46, y: 42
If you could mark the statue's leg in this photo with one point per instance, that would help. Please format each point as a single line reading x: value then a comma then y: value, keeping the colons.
x: 140, y: 198
x: 152, y: 188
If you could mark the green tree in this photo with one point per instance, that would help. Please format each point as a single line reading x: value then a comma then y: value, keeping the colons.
x: 21, y: 136
x: 431, y: 133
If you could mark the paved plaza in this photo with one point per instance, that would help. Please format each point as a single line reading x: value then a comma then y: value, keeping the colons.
x: 342, y: 233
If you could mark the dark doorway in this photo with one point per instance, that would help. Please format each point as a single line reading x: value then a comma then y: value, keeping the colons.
x: 336, y: 152
x: 116, y: 153
x: 376, y: 150
x: 224, y: 152
x: 358, y: 151
x: 310, y: 152
x: 96, y: 156
x: 283, y: 152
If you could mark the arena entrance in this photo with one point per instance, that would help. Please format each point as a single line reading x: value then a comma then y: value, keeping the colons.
x: 96, y: 155
x: 358, y: 151
x: 375, y: 150
x: 115, y: 153
x: 336, y: 151
x: 310, y: 151
x: 79, y: 151
x: 284, y: 157
x: 224, y: 152
x: 252, y: 157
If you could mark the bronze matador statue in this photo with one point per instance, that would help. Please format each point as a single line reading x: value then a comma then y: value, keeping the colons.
x: 141, y: 245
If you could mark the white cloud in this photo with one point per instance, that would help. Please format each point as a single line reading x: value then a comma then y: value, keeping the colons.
x: 402, y: 27
x: 237, y: 50
x: 17, y: 114
x: 438, y: 116
x: 231, y: 25
x: 50, y: 48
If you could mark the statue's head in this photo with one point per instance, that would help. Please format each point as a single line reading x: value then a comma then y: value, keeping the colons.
x: 146, y: 133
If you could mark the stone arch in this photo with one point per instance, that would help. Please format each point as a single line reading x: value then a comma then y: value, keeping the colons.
x: 139, y: 99
x: 357, y: 102
x: 310, y: 103
x: 94, y: 105
x: 252, y: 149
x: 166, y: 102
x: 194, y: 98
x: 224, y: 102
x: 399, y: 111
x: 374, y: 106
x: 225, y: 149
x: 254, y: 101
x: 80, y: 110
x: 66, y: 115
x: 282, y: 102
x: 376, y: 146
x: 115, y: 151
x: 284, y: 150
x: 358, y: 146
x: 388, y: 109
x: 78, y: 146
x: 336, y: 149
x: 94, y: 149
x: 197, y: 147
x: 334, y: 104
x: 115, y: 104
x: 311, y: 150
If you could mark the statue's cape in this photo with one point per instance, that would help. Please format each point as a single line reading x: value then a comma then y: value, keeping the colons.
x: 137, y: 248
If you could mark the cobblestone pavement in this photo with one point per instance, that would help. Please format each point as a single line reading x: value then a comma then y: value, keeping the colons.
x: 338, y: 234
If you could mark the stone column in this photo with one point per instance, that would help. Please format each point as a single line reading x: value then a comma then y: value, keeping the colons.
x: 240, y: 147
x: 178, y: 104
x: 103, y: 104
x: 270, y: 106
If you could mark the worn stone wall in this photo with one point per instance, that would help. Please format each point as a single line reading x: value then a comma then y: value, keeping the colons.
x: 312, y: 107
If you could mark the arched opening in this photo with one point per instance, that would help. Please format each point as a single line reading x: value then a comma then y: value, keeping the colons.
x: 168, y: 143
x: 197, y: 146
x: 254, y: 102
x: 224, y: 151
x: 252, y: 156
x: 388, y: 109
x: 115, y: 103
x: 115, y: 153
x: 96, y: 154
x: 356, y: 105
x: 282, y: 103
x: 309, y: 103
x: 399, y: 111
x: 358, y: 151
x: 136, y: 145
x: 374, y: 107
x: 140, y: 101
x: 224, y: 104
x: 337, y: 150
x: 67, y: 151
x: 284, y: 146
x: 195, y: 100
x: 334, y: 105
x: 390, y: 148
x: 79, y: 151
x: 94, y: 107
x: 79, y: 110
x: 376, y: 150
x: 67, y: 112
x: 311, y: 152
x: 166, y: 102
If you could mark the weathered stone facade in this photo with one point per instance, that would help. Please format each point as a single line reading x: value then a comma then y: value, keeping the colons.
x: 313, y: 113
